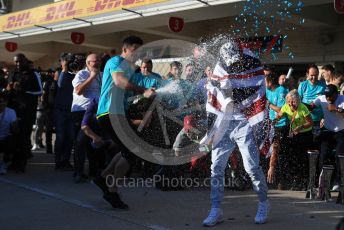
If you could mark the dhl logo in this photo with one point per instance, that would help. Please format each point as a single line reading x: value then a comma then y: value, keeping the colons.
x: 57, y: 12
x: 17, y: 20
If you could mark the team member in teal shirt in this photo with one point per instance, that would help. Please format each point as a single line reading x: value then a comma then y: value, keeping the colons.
x: 147, y: 69
x: 310, y: 89
x: 115, y: 83
x: 276, y: 94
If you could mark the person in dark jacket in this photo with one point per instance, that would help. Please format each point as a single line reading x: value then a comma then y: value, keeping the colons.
x: 24, y: 86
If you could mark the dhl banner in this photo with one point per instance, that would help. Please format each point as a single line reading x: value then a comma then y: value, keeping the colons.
x: 64, y: 10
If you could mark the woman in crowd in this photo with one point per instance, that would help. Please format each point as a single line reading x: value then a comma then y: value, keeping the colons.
x: 300, y: 132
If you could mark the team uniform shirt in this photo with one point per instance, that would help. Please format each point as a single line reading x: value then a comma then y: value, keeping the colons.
x: 298, y: 117
x: 277, y: 98
x: 333, y: 121
x: 158, y: 78
x: 81, y: 102
x: 144, y: 81
x: 112, y: 98
x: 156, y: 75
x: 308, y: 93
x: 6, y: 118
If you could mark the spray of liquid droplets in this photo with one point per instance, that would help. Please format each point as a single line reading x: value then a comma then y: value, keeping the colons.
x: 171, y: 88
x: 268, y: 17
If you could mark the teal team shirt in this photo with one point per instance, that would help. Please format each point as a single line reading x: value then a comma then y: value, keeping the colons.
x: 277, y: 98
x: 112, y: 98
x: 309, y: 93
x: 145, y: 81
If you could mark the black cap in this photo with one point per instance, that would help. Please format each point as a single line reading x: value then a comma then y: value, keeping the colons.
x: 330, y: 90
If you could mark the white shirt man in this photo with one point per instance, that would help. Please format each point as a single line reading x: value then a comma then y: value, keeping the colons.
x: 332, y: 105
x: 87, y: 84
x: 334, y: 120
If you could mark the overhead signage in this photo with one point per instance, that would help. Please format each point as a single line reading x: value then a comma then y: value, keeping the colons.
x: 339, y: 6
x: 77, y: 38
x: 65, y: 10
x: 176, y: 24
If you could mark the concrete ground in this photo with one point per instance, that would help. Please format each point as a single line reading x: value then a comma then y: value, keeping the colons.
x: 43, y: 198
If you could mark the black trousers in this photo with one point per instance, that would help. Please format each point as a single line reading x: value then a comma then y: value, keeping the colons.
x: 96, y: 157
x: 331, y: 141
x: 49, y: 126
x: 106, y: 126
x: 25, y: 123
x: 300, y: 143
x: 284, y: 160
x: 7, y: 147
x: 77, y: 119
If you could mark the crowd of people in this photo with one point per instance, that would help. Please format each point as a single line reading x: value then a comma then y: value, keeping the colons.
x: 80, y: 99
x: 307, y: 117
x: 75, y: 102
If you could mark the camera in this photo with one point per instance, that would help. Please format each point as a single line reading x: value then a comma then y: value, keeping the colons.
x: 75, y: 62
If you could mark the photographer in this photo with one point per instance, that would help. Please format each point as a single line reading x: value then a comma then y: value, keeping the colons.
x: 62, y: 112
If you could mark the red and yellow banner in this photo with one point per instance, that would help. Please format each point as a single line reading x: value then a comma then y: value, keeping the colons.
x: 64, y: 10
